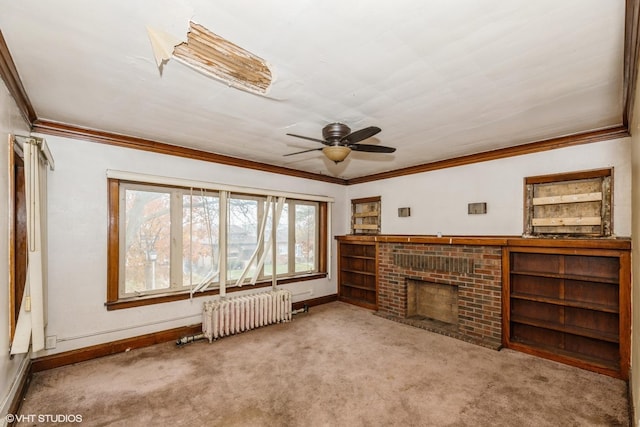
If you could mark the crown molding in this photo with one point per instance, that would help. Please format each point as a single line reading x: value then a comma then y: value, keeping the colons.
x: 502, y: 153
x: 103, y: 137
x: 76, y: 132
x: 9, y: 74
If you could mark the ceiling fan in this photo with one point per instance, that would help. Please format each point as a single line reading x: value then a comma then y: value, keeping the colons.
x: 339, y: 141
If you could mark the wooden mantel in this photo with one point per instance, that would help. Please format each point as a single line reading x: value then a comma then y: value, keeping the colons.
x: 506, y: 241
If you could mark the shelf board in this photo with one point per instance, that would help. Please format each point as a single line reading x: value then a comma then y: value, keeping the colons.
x: 367, y: 273
x: 574, y: 330
x: 559, y: 222
x: 568, y: 198
x: 365, y: 226
x: 577, y: 358
x: 363, y: 287
x: 359, y: 257
x: 566, y: 303
x: 366, y: 214
x: 577, y: 277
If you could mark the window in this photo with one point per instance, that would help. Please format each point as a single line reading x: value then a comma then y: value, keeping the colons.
x: 569, y: 204
x: 365, y: 215
x: 166, y: 243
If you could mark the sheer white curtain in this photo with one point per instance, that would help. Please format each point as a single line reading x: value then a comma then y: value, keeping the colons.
x: 32, y: 316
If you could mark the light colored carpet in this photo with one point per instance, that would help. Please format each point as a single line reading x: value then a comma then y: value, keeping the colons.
x: 338, y: 365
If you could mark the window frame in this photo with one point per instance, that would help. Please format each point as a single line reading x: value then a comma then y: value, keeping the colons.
x: 114, y: 299
x: 605, y: 177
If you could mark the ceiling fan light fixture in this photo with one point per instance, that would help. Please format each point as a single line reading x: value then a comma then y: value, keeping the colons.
x: 336, y: 153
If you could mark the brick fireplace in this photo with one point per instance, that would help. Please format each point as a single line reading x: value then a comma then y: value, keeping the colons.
x: 472, y: 273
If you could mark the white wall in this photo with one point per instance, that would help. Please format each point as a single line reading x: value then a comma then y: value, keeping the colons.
x: 77, y: 227
x: 438, y: 199
x: 10, y: 369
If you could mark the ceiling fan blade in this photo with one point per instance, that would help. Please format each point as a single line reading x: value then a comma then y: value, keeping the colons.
x: 305, y: 151
x: 372, y: 148
x: 361, y: 135
x: 310, y: 139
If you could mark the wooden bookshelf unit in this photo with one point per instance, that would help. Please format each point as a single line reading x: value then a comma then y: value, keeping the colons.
x: 564, y: 299
x: 569, y: 304
x: 357, y: 269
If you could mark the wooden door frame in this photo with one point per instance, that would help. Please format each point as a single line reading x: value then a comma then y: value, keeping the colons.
x: 17, y: 232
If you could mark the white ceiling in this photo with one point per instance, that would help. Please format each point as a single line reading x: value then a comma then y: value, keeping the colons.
x: 441, y: 78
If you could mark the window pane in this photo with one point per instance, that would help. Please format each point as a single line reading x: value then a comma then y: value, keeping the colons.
x: 282, y: 244
x: 200, y: 239
x: 306, y: 237
x: 242, y: 235
x: 147, y: 240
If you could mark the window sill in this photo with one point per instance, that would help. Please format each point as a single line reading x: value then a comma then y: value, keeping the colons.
x: 159, y: 299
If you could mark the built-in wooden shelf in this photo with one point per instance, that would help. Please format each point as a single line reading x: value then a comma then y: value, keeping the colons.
x: 574, y: 330
x: 565, y: 299
x: 357, y: 273
x: 366, y: 273
x: 569, y: 304
x: 363, y: 287
x: 576, y: 277
x: 597, y: 364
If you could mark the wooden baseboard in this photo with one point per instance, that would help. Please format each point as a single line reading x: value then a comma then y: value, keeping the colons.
x: 315, y: 301
x: 100, y: 350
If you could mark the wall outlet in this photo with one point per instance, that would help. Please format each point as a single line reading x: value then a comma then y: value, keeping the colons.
x: 50, y: 342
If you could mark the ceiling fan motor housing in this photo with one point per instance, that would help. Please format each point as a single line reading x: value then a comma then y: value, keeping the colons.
x: 334, y: 132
